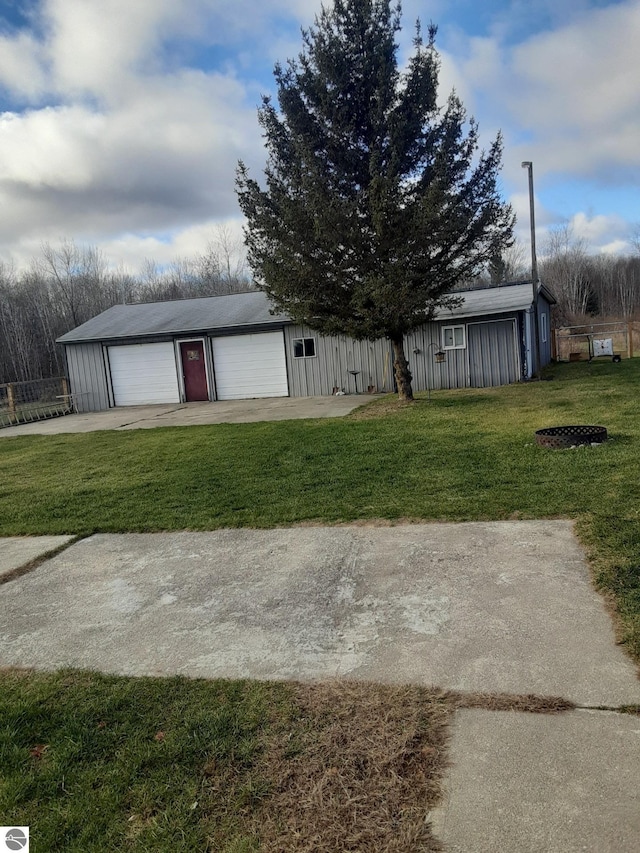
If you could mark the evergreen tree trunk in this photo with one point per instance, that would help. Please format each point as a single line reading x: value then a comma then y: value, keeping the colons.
x: 401, y: 370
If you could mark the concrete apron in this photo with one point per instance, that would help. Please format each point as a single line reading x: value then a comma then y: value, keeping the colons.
x: 18, y: 551
x: 493, y: 607
x: 505, y: 606
x: 190, y: 414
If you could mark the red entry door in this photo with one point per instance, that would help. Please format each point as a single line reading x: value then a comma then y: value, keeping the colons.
x: 194, y: 371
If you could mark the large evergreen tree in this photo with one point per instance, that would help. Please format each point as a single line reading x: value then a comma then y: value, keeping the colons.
x: 377, y: 201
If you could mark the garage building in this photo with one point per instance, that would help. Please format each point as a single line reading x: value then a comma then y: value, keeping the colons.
x: 234, y: 347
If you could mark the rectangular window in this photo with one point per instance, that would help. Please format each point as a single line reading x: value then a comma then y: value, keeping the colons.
x: 304, y: 347
x: 543, y: 328
x: 453, y: 337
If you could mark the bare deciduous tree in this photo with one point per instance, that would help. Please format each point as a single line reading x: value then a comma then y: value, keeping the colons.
x: 565, y: 269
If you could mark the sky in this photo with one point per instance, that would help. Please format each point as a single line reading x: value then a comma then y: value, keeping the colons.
x: 122, y: 121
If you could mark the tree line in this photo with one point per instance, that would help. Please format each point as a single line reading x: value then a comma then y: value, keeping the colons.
x: 68, y: 284
x: 586, y: 285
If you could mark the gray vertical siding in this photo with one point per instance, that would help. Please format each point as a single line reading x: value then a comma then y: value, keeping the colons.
x: 493, y: 353
x: 335, y: 357
x: 87, y: 377
x: 427, y: 340
x: 545, y: 346
x: 492, y: 356
x: 493, y: 346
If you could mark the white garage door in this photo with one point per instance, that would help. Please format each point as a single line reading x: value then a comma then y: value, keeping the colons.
x: 143, y: 374
x: 250, y: 366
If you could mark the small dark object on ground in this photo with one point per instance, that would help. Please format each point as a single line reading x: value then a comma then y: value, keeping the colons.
x: 570, y: 436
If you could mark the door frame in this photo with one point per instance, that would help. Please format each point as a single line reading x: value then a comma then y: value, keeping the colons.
x: 193, y: 339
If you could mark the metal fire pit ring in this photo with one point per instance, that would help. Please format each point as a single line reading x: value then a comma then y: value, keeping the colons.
x: 570, y: 436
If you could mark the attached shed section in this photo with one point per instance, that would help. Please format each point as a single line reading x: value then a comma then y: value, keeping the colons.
x: 236, y: 347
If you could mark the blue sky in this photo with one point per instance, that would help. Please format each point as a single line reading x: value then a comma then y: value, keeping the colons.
x: 121, y: 121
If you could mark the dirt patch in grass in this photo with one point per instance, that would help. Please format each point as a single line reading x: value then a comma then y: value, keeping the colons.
x: 357, y: 768
x: 528, y: 703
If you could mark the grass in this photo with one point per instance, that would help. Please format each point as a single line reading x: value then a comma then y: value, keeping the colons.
x: 104, y: 763
x: 97, y: 763
x: 468, y: 455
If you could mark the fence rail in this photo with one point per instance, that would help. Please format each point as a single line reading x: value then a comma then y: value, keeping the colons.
x: 23, y: 402
x: 575, y: 343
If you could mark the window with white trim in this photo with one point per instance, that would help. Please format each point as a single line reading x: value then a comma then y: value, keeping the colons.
x: 543, y: 328
x: 304, y: 347
x: 453, y: 337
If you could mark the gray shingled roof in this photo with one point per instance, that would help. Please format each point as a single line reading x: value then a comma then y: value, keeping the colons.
x: 211, y: 313
x: 243, y: 310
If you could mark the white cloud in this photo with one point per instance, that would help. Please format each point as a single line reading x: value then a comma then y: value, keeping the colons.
x: 89, y: 48
x: 566, y: 98
x: 583, y: 72
x: 51, y: 147
x: 599, y: 230
x: 124, y: 140
x: 22, y: 71
x: 131, y: 250
x: 576, y: 91
x: 164, y: 157
x: 616, y: 247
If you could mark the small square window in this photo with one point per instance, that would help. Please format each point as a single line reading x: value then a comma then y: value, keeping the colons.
x: 453, y: 337
x: 304, y: 347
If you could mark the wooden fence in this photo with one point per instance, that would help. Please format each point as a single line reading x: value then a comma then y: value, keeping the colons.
x: 575, y: 343
x: 22, y: 402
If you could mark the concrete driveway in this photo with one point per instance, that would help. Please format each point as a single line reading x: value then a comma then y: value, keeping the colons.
x: 505, y: 606
x: 489, y: 607
x: 186, y: 414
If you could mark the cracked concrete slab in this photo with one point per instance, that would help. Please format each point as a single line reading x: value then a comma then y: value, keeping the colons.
x: 188, y: 414
x: 18, y: 551
x: 502, y: 606
x: 532, y: 783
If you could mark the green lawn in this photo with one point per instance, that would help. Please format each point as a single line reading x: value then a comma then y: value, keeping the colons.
x: 100, y: 763
x: 467, y: 455
x: 95, y: 763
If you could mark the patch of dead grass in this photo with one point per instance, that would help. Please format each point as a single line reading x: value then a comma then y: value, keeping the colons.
x: 358, y: 767
x: 358, y: 770
x: 527, y: 703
